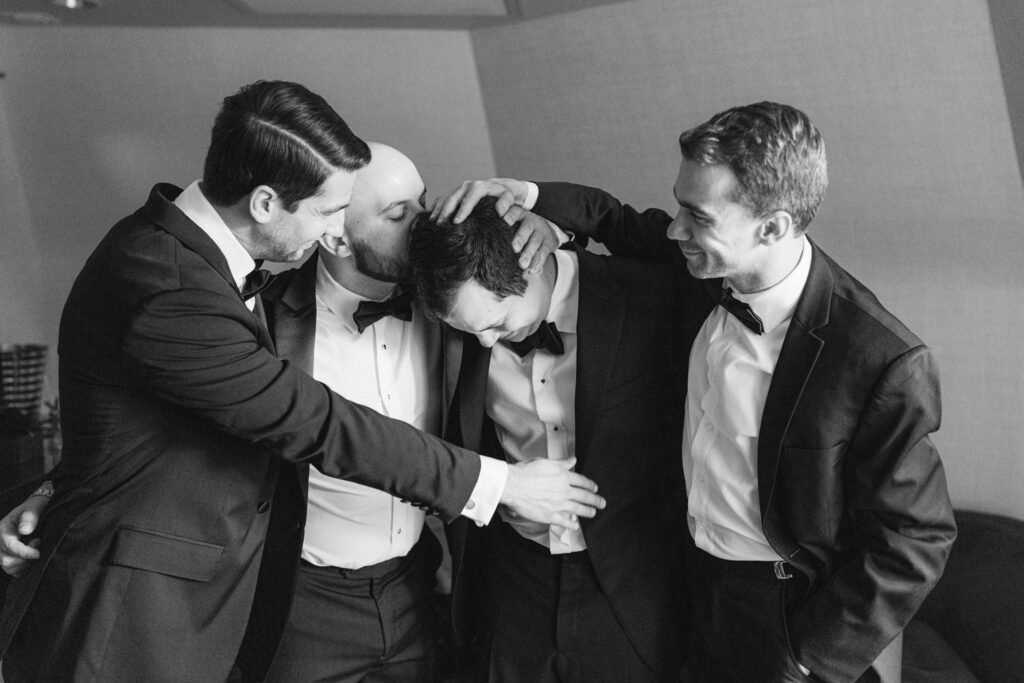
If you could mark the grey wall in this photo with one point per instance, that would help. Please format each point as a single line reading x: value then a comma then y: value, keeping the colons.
x: 91, y: 118
x: 926, y: 202
x: 925, y: 205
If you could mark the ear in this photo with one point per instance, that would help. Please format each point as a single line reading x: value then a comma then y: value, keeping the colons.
x: 776, y: 226
x: 336, y: 245
x: 264, y: 203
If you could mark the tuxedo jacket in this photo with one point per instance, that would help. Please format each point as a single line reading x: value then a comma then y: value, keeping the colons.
x: 179, y: 423
x: 628, y: 430
x: 851, y: 488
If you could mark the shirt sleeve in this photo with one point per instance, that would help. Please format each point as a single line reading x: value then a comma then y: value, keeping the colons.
x: 484, y: 499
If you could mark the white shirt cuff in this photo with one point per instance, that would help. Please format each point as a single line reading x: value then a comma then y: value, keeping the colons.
x: 486, y: 495
x: 532, y: 192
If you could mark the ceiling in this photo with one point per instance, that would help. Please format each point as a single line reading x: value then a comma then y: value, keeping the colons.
x: 454, y: 14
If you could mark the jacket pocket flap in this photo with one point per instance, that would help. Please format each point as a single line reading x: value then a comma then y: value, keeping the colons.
x: 162, y: 553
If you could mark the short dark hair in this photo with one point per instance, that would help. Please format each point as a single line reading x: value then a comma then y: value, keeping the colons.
x: 776, y: 154
x: 278, y: 134
x: 445, y: 255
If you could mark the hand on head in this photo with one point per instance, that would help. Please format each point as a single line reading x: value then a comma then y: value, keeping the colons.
x: 536, y: 237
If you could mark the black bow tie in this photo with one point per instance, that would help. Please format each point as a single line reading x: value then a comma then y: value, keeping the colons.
x: 741, y: 311
x: 369, y: 312
x: 546, y: 338
x: 256, y: 282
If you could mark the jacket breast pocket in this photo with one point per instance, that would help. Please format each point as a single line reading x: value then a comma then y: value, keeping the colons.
x: 155, y: 551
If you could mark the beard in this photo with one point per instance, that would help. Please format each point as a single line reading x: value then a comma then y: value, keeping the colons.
x: 373, y: 262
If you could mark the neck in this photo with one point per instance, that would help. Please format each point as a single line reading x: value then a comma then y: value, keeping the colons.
x: 548, y: 275
x: 236, y: 217
x: 776, y: 267
x: 343, y: 270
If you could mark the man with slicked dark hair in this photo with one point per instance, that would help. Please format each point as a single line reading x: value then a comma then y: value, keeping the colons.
x: 170, y: 548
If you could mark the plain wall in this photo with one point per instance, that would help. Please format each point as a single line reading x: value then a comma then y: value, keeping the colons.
x: 926, y: 198
x: 926, y: 202
x: 91, y: 118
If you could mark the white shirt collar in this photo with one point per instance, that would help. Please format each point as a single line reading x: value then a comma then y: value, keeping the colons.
x: 777, y: 303
x: 200, y: 211
x: 564, y: 308
x: 341, y: 301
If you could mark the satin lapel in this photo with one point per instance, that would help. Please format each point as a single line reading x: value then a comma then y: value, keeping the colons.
x: 602, y: 312
x: 451, y: 342
x: 799, y: 353
x: 476, y: 361
x: 293, y: 317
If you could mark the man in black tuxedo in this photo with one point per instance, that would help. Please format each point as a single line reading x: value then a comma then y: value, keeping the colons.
x: 537, y: 603
x: 812, y: 480
x: 159, y: 558
x: 364, y: 604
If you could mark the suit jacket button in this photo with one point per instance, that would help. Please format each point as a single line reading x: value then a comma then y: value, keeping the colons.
x: 263, y: 506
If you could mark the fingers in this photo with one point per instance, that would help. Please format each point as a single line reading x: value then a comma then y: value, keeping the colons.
x: 27, y: 522
x: 577, y: 480
x: 585, y: 504
x: 532, y: 256
x: 461, y: 202
x: 513, y: 215
x: 15, y: 555
x: 506, y: 207
x: 443, y: 207
x: 563, y: 521
x: 477, y: 191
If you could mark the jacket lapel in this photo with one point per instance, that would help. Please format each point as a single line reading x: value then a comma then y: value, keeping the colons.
x: 598, y: 330
x: 476, y: 361
x: 799, y: 353
x: 161, y: 210
x: 452, y: 343
x: 293, y: 317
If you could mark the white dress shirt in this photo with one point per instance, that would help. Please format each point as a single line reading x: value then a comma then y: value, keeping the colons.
x: 532, y: 399
x: 200, y: 211
x: 729, y: 374
x: 393, y: 367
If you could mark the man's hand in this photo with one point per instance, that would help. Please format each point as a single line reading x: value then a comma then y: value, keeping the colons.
x: 535, y: 239
x: 546, y: 491
x: 15, y: 555
x: 509, y: 191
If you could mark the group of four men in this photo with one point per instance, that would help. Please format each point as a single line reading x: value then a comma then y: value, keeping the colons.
x: 786, y: 426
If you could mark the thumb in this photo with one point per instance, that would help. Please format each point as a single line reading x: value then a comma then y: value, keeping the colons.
x: 27, y: 522
x: 567, y: 464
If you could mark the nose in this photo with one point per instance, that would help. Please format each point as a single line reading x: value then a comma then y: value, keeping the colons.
x: 488, y: 339
x: 336, y: 225
x: 677, y: 229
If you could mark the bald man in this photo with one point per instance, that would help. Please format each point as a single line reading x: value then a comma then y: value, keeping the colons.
x: 363, y: 605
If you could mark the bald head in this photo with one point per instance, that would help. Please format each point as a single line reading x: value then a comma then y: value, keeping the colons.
x: 389, y: 178
x: 387, y: 196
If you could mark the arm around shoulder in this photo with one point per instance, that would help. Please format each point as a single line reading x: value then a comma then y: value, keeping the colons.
x: 596, y: 214
x: 200, y: 351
